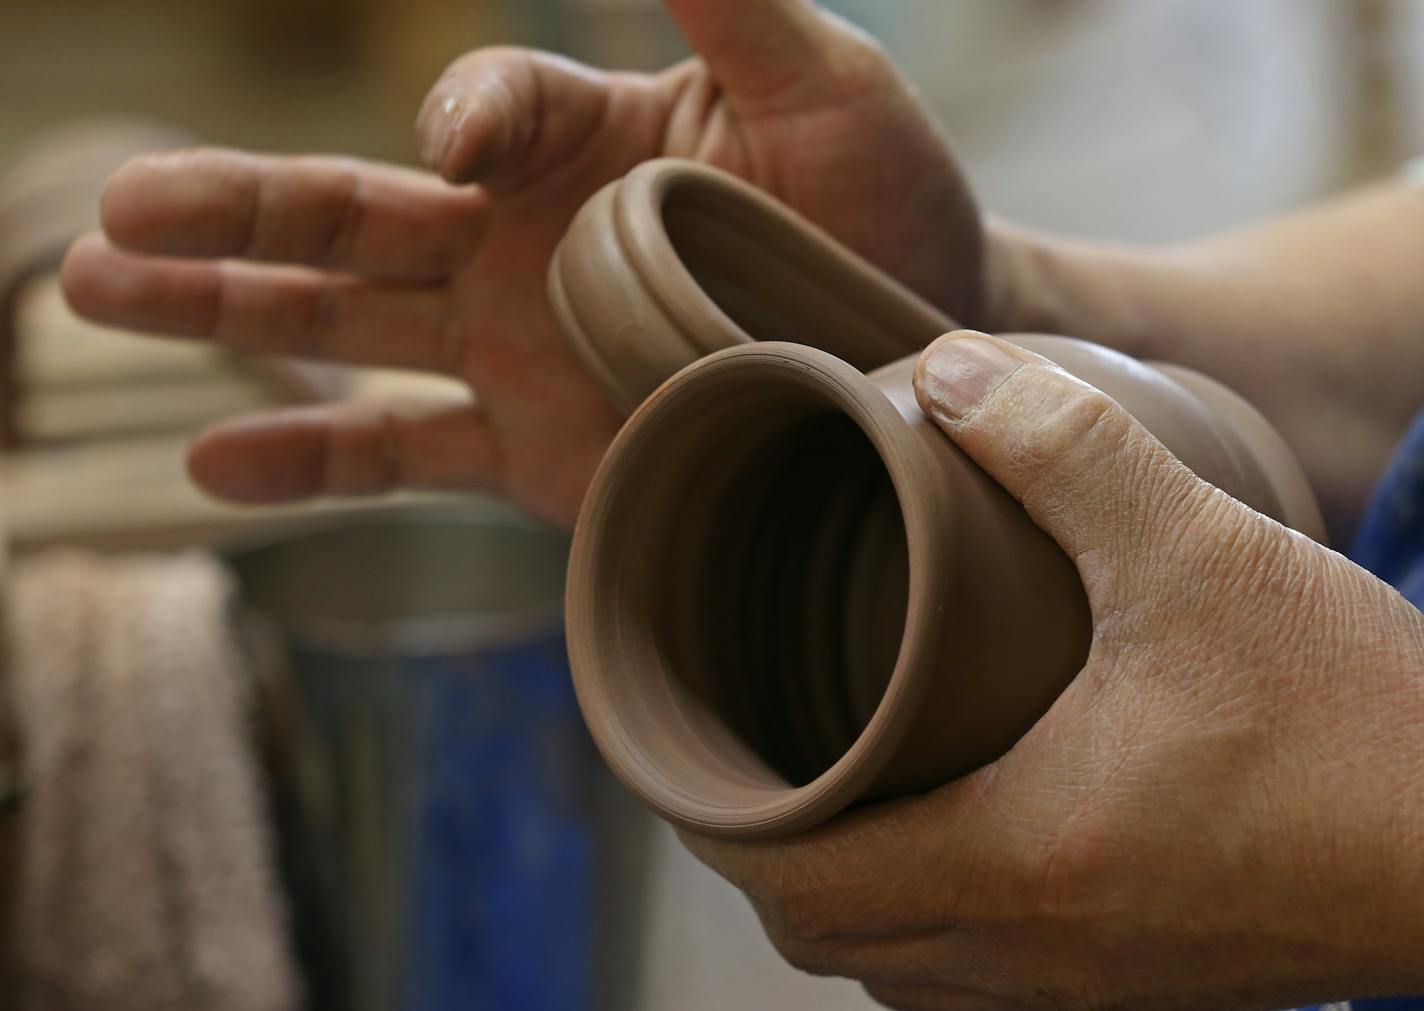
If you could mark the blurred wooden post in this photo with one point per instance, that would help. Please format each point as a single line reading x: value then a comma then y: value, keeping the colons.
x: 1378, y: 136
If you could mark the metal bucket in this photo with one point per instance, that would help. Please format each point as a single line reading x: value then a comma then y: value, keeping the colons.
x: 432, y: 781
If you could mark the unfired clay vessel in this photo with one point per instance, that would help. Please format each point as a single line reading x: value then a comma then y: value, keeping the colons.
x: 789, y: 591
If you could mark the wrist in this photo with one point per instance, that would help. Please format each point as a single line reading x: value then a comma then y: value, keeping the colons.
x: 1017, y: 266
x: 1110, y: 294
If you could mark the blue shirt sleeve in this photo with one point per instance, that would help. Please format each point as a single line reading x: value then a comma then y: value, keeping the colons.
x: 1390, y: 542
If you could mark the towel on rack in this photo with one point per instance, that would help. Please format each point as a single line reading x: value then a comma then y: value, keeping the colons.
x: 146, y: 877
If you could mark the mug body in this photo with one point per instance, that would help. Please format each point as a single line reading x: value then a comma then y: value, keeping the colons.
x: 789, y: 592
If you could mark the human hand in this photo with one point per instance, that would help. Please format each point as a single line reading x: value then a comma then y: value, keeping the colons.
x: 367, y: 264
x: 1224, y: 810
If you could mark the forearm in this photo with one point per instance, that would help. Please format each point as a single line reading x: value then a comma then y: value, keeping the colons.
x: 1317, y: 318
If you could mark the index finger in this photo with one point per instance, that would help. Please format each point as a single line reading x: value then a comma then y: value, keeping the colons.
x: 886, y: 870
x: 377, y: 220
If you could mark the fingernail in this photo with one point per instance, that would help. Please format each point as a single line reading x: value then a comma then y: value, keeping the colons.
x: 960, y: 372
x: 454, y: 113
x: 440, y: 126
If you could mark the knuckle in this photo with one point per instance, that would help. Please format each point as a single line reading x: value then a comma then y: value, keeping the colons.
x: 1086, y: 417
x: 362, y: 456
x: 347, y: 221
x: 1066, y: 423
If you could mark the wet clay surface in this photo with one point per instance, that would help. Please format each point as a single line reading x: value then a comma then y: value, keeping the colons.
x: 790, y: 593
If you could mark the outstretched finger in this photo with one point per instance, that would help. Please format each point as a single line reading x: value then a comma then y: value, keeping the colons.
x: 335, y: 213
x: 348, y: 448
x: 287, y: 311
x: 878, y: 887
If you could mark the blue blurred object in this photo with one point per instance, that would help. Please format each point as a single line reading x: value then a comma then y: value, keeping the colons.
x: 503, y: 861
x: 1390, y: 541
x: 431, y: 775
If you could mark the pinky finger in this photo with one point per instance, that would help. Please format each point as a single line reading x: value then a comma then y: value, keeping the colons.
x: 348, y: 448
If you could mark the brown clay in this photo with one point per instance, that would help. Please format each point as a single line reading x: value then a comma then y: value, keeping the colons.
x: 789, y: 591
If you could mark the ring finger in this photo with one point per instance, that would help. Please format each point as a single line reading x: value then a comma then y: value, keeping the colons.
x: 270, y: 310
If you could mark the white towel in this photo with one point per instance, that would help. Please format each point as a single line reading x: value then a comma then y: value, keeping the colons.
x: 147, y: 879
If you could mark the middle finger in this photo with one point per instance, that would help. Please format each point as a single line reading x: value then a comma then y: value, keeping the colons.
x: 269, y: 310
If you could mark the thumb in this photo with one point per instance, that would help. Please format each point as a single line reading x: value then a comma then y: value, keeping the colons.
x: 770, y: 51
x: 1086, y: 471
x: 504, y: 116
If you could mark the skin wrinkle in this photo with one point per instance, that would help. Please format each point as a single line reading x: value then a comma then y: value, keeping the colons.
x: 721, y: 132
x: 256, y: 244
x: 1038, y: 455
x: 584, y: 143
x: 678, y: 81
x: 322, y: 321
x: 216, y: 314
x: 251, y: 198
x: 1137, y: 513
x: 345, y: 236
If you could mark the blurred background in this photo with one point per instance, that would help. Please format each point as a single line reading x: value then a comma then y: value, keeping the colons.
x: 1061, y: 108
x: 444, y: 836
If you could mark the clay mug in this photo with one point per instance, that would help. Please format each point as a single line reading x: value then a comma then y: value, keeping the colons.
x: 790, y: 592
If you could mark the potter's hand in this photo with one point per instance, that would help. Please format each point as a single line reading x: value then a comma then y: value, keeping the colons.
x: 1225, y: 809
x: 357, y: 263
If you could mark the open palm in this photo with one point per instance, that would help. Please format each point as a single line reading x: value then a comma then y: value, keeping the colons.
x: 341, y: 260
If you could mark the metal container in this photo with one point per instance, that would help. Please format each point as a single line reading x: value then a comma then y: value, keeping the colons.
x: 432, y: 780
